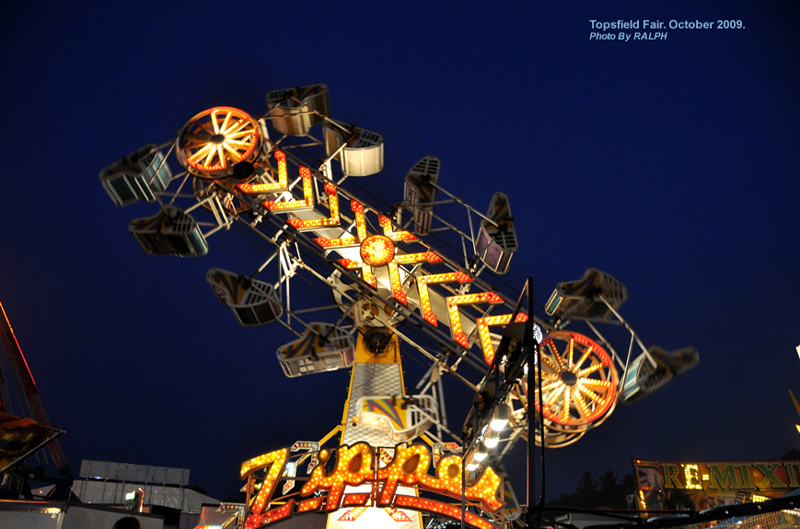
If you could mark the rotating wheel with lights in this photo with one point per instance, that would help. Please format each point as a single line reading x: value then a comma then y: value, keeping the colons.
x: 554, y: 438
x: 549, y: 436
x: 579, y: 385
x: 217, y: 139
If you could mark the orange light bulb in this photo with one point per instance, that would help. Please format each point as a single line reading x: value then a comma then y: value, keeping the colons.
x: 377, y: 250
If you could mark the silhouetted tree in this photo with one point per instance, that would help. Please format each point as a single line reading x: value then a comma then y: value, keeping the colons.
x: 240, y: 497
x: 792, y: 454
x: 609, y: 487
x: 629, y: 486
x: 587, y: 489
x: 606, y: 493
x: 198, y: 488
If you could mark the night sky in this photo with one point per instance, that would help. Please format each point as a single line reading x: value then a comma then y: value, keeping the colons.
x: 671, y: 164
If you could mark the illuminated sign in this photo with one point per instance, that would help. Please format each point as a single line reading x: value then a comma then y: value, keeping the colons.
x: 669, y: 485
x: 358, y: 465
x: 379, y: 250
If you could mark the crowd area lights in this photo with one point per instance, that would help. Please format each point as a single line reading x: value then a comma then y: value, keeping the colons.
x: 493, y: 440
x: 482, y: 453
x: 500, y: 420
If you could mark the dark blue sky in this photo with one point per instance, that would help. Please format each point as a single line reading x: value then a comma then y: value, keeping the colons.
x: 673, y: 165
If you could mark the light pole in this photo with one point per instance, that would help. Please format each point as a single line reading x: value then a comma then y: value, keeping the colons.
x: 531, y: 344
x: 464, y: 454
x: 491, y: 413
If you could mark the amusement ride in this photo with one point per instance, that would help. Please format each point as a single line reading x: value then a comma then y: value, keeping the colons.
x: 401, y: 281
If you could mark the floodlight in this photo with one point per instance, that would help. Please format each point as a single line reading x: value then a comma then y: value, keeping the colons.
x: 500, y: 419
x: 537, y: 333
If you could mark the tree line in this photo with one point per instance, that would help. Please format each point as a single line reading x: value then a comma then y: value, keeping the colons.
x: 605, y: 492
